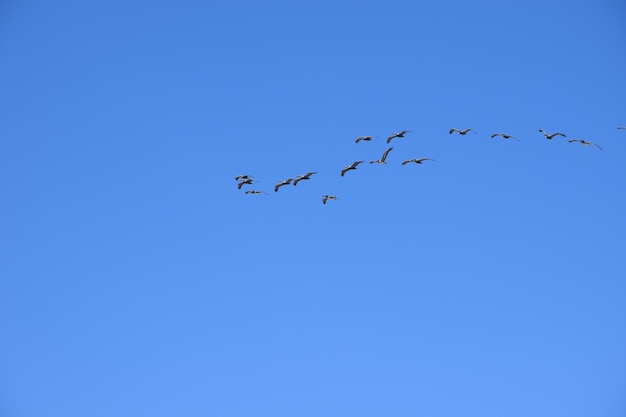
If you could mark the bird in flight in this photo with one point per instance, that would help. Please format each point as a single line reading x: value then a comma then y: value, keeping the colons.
x: 350, y: 167
x: 416, y: 160
x: 584, y: 142
x: 303, y: 177
x: 505, y: 136
x: 551, y: 135
x: 365, y: 138
x: 325, y: 198
x: 622, y: 127
x: 243, y: 177
x: 281, y: 183
x: 255, y: 192
x: 461, y: 132
x: 383, y: 158
x: 398, y: 135
x: 244, y: 182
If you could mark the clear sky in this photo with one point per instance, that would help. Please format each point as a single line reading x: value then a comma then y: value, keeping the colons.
x: 137, y: 280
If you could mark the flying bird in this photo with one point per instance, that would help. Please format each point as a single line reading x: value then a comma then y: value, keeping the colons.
x: 244, y: 182
x: 584, y: 142
x: 303, y: 177
x: 551, y: 135
x: 398, y: 135
x: 622, y: 127
x: 281, y: 183
x: 243, y: 177
x: 383, y: 158
x: 505, y: 136
x: 460, y: 132
x: 328, y: 197
x: 416, y: 160
x: 350, y: 167
x: 365, y: 138
x: 255, y: 192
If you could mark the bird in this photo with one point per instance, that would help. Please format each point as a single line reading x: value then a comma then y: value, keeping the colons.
x: 505, y: 136
x: 398, y: 135
x: 365, y: 138
x: 460, y: 132
x: 383, y: 158
x: 622, y: 127
x: 243, y: 177
x: 281, y: 183
x: 416, y: 160
x: 328, y: 197
x: 303, y: 177
x: 584, y: 142
x: 551, y: 135
x: 350, y: 167
x: 244, y: 182
x: 255, y: 192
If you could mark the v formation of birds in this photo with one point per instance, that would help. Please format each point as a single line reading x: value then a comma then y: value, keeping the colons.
x: 247, y: 179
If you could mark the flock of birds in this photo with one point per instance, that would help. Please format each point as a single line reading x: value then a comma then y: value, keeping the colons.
x: 247, y: 179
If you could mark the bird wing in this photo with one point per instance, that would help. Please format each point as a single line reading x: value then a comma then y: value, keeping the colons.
x: 597, y: 146
x: 385, y: 154
x: 453, y: 130
x: 391, y: 137
x: 573, y: 140
x: 343, y: 171
x: 324, y: 199
x: 496, y: 134
x: 407, y: 161
x: 355, y: 164
x: 297, y: 180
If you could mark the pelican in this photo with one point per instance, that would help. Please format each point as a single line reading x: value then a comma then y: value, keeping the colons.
x: 505, y: 136
x: 416, y: 160
x: 243, y: 177
x: 328, y: 197
x: 383, y: 158
x: 255, y: 192
x: 584, y: 142
x: 303, y: 177
x: 365, y: 138
x: 460, y: 132
x: 244, y: 182
x: 281, y: 183
x: 551, y: 135
x: 398, y: 135
x: 350, y: 167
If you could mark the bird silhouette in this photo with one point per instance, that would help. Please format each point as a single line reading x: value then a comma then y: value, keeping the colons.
x: 255, y: 192
x: 382, y: 158
x: 416, y: 160
x: 551, y: 135
x: 350, y: 167
x: 244, y: 182
x: 303, y: 177
x: 398, y: 135
x: 461, y: 132
x: 622, y: 127
x: 243, y: 177
x: 505, y: 136
x: 281, y: 183
x: 584, y: 142
x: 325, y: 198
x: 365, y: 138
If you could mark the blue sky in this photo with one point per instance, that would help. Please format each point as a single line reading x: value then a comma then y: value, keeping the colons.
x: 137, y: 280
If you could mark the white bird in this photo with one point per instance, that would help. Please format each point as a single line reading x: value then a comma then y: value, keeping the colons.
x: 255, y: 192
x: 350, y: 167
x: 551, y: 135
x: 460, y: 132
x: 382, y: 158
x: 244, y: 182
x: 505, y: 136
x: 365, y: 138
x: 303, y: 177
x: 584, y: 142
x: 281, y: 183
x: 328, y: 197
x: 416, y: 160
x: 398, y: 135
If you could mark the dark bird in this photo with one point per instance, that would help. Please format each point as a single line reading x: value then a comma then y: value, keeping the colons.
x: 281, y: 183
x: 383, y: 158
x: 416, y: 160
x: 325, y: 198
x: 584, y: 142
x: 244, y: 182
x: 551, y: 135
x: 350, y: 167
x: 243, y: 177
x: 398, y: 135
x: 303, y: 177
x: 460, y: 132
x: 505, y: 136
x: 255, y: 192
x: 365, y: 138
